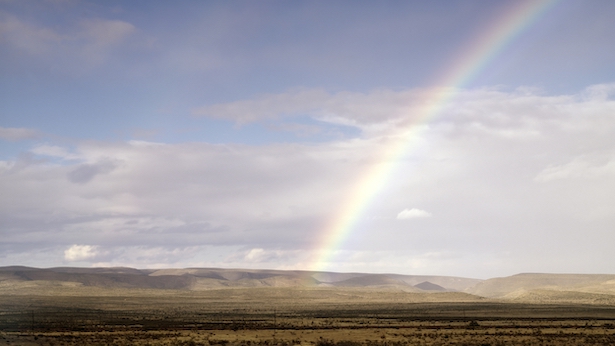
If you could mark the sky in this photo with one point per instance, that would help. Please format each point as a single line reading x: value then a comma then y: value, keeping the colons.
x: 316, y: 135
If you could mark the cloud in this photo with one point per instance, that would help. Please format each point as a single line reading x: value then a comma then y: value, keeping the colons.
x: 412, y: 214
x: 258, y: 255
x: 55, y: 151
x: 77, y: 253
x: 522, y: 114
x: 301, y: 130
x: 27, y: 37
x: 88, y: 42
x: 98, y: 36
x: 86, y: 172
x: 581, y: 167
x: 103, y: 32
x: 269, y: 205
x: 17, y: 134
x: 178, y: 194
x: 266, y: 106
x: 376, y: 109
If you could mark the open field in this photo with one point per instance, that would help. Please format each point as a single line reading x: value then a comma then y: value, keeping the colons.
x: 209, y: 306
x: 62, y: 314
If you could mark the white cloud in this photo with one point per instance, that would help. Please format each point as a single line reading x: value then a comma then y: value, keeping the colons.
x: 259, y: 255
x: 77, y: 253
x: 522, y: 114
x: 412, y: 214
x: 269, y: 205
x: 581, y: 167
x: 378, y: 110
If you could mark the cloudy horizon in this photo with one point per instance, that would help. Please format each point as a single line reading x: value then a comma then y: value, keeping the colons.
x: 209, y: 134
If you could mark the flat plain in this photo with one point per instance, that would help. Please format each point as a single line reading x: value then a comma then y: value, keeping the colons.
x: 51, y: 312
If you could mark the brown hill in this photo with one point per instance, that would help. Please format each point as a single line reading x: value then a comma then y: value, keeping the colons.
x: 565, y: 297
x: 211, y: 278
x: 530, y: 288
x: 452, y: 283
x: 374, y: 280
x: 98, y: 278
x: 428, y: 286
x: 520, y: 285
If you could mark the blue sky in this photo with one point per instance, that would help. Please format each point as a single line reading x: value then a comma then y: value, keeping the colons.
x: 209, y: 133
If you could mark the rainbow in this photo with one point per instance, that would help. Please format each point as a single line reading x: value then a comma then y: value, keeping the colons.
x: 480, y: 53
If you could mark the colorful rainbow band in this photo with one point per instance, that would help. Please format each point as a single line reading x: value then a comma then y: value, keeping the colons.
x: 474, y: 60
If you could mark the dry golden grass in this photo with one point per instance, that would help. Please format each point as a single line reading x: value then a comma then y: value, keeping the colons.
x: 48, y: 313
x: 427, y: 334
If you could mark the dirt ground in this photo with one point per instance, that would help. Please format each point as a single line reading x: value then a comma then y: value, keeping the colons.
x: 292, y: 316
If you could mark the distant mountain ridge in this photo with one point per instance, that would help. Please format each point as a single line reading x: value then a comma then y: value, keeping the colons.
x: 534, y: 285
x: 209, y: 278
x: 526, y: 287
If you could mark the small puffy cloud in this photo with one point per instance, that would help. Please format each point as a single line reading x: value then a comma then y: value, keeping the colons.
x: 255, y: 254
x: 412, y: 214
x: 80, y: 253
x: 260, y: 255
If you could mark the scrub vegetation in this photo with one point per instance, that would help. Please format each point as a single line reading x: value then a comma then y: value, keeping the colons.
x: 64, y: 314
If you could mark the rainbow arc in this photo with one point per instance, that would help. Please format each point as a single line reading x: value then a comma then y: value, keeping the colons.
x: 479, y: 54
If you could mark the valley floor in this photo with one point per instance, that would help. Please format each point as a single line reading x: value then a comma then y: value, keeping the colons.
x: 292, y: 316
x: 576, y: 332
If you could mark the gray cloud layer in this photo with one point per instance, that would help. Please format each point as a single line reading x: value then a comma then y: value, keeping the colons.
x: 514, y: 181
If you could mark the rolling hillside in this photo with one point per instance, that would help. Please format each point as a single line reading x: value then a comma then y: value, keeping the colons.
x: 529, y: 287
x: 211, y: 278
x: 537, y: 287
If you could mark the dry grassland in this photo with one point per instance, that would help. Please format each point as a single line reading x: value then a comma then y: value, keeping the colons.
x: 63, y: 314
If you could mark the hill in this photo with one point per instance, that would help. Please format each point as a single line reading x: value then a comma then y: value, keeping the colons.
x: 527, y: 287
x: 540, y: 287
x: 212, y: 278
x: 428, y: 286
